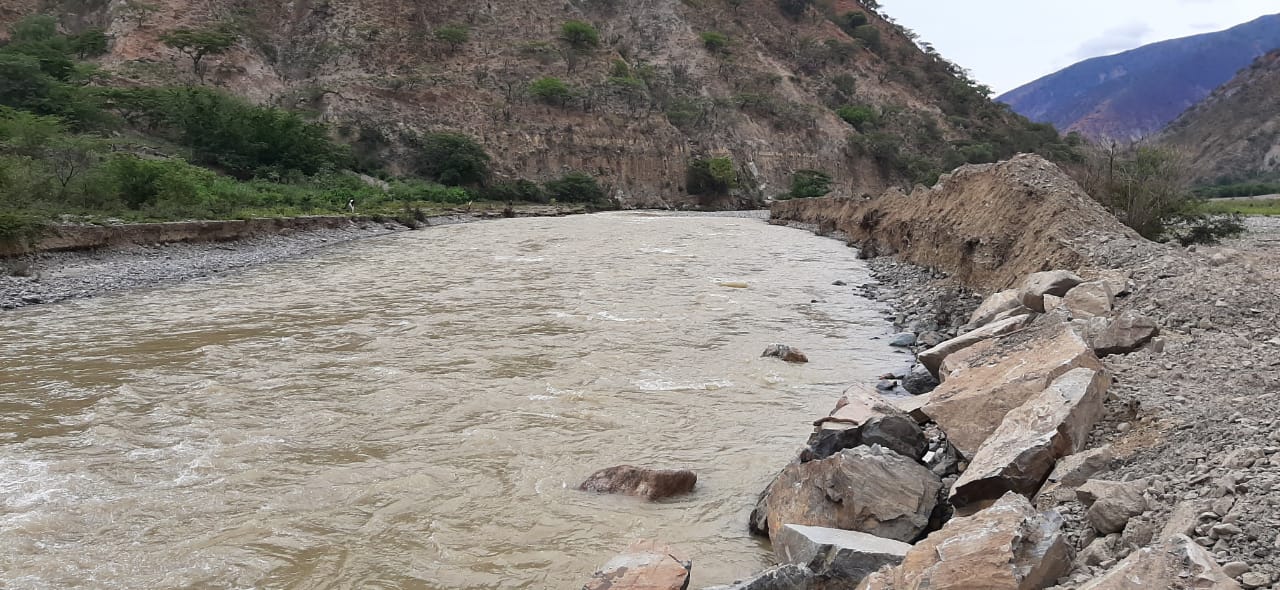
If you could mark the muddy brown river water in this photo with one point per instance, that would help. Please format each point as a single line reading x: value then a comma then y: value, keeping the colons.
x: 415, y: 410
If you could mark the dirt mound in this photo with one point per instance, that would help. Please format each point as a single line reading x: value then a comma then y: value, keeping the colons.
x: 987, y: 225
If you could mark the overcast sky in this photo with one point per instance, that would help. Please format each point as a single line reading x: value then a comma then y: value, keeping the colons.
x: 1007, y: 43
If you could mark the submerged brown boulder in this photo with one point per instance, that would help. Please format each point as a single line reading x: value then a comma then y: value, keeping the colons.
x: 652, y: 484
x: 786, y: 353
x: 1008, y: 546
x: 868, y: 489
x: 647, y: 565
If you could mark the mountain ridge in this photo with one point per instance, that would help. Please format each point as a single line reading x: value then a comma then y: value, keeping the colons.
x: 1137, y: 92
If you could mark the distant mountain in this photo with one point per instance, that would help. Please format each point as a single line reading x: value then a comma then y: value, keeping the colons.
x: 1234, y: 134
x: 1138, y: 92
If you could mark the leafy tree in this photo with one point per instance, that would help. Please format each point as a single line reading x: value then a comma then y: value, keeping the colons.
x: 139, y: 11
x: 452, y: 159
x: 199, y: 43
x: 807, y: 184
x: 551, y: 91
x: 454, y: 35
x: 850, y: 21
x: 579, y: 35
x: 870, y: 36
x: 38, y: 28
x: 91, y: 43
x: 575, y: 187
x: 711, y: 176
x: 714, y: 41
x: 619, y: 69
x: 71, y: 157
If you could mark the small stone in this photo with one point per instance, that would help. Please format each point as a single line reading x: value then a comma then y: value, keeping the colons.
x: 902, y: 340
x: 1225, y: 529
x: 1255, y: 580
x: 1236, y: 569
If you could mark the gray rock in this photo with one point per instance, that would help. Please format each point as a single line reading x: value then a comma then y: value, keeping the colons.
x: 1176, y: 563
x: 847, y: 556
x: 1255, y: 580
x: 1112, y: 504
x: 1076, y: 469
x: 932, y: 358
x: 1121, y: 335
x: 1235, y: 569
x: 919, y: 381
x: 992, y: 306
x: 902, y: 340
x: 1053, y: 282
x: 1089, y: 299
x: 784, y: 577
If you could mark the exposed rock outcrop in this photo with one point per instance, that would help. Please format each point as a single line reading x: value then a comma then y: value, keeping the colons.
x: 1007, y: 546
x: 651, y: 484
x: 868, y: 489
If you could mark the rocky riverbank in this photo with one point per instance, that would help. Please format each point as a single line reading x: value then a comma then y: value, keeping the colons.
x: 85, y: 261
x: 1105, y: 419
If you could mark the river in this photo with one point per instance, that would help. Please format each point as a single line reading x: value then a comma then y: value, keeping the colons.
x: 415, y: 410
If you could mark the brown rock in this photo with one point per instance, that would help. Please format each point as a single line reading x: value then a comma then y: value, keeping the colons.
x: 836, y: 554
x: 1089, y: 300
x: 1007, y: 546
x: 994, y: 305
x: 652, y: 484
x: 1076, y: 469
x: 1177, y: 563
x: 1111, y: 504
x: 932, y: 358
x: 972, y: 402
x: 645, y: 566
x: 1053, y: 282
x: 1123, y: 335
x: 1020, y: 454
x: 867, y: 489
x: 786, y: 353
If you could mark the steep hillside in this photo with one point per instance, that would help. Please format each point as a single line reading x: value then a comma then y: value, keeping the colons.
x: 666, y: 83
x: 1234, y: 134
x: 1138, y: 92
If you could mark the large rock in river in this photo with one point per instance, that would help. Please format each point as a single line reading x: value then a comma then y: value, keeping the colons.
x: 833, y: 554
x: 864, y: 417
x: 652, y: 484
x: 868, y: 489
x: 1008, y: 546
x: 786, y: 353
x: 647, y: 565
x: 1031, y: 438
x: 997, y: 376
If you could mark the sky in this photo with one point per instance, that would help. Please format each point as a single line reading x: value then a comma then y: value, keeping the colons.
x: 1007, y: 43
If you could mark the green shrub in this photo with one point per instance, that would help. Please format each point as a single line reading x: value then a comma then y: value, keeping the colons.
x: 551, y: 90
x: 141, y: 183
x: 19, y: 229
x: 711, y: 176
x: 860, y: 116
x: 90, y: 43
x: 199, y: 43
x: 715, y: 42
x: 869, y: 35
x: 794, y: 9
x: 416, y: 190
x: 452, y: 159
x: 807, y: 184
x: 575, y: 187
x: 579, y: 35
x: 850, y: 21
x: 454, y: 35
x: 518, y: 191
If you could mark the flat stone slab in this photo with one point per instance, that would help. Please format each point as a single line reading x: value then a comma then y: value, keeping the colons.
x: 647, y: 565
x: 835, y: 553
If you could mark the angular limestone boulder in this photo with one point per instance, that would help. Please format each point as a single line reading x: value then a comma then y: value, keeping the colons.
x: 1112, y: 503
x: 783, y: 577
x: 1124, y: 334
x: 1076, y: 469
x: 932, y: 358
x: 1007, y: 546
x: 868, y: 489
x: 864, y: 417
x: 651, y: 484
x: 836, y: 554
x: 1053, y: 282
x: 970, y: 405
x: 1088, y: 300
x: 1023, y: 450
x: 994, y: 305
x: 647, y: 565
x: 1177, y: 563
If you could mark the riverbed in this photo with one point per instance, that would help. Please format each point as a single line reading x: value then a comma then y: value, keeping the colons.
x: 415, y: 410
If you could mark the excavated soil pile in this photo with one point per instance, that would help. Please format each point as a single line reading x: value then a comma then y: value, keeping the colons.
x: 989, y: 225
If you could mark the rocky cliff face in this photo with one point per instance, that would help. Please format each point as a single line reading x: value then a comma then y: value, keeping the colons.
x: 1235, y: 133
x: 653, y: 94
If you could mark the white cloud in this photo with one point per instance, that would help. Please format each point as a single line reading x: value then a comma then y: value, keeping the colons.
x: 1113, y: 40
